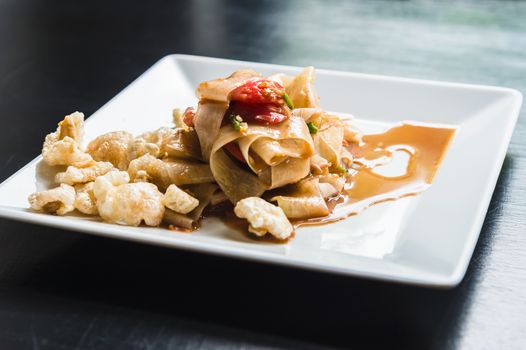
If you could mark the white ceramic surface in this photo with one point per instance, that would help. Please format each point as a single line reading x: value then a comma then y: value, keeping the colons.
x: 426, y: 240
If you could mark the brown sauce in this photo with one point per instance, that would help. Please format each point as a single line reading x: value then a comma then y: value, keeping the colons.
x: 426, y: 146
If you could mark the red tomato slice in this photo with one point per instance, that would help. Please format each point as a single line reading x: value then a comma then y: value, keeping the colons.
x: 268, y: 114
x: 259, y: 91
x: 233, y: 149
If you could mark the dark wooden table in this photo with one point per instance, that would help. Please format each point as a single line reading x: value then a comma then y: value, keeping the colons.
x: 61, y: 290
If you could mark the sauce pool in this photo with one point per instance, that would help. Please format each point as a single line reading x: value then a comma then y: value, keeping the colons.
x: 426, y: 146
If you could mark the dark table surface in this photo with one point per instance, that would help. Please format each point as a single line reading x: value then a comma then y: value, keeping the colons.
x: 61, y: 290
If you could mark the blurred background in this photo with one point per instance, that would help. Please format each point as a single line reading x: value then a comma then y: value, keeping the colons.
x: 78, y: 55
x: 61, y: 290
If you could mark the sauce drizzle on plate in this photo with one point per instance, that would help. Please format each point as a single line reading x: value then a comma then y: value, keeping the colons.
x: 426, y: 146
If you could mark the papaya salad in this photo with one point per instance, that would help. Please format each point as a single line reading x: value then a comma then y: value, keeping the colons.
x: 259, y: 147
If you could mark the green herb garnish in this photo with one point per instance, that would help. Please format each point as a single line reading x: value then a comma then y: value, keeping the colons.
x: 288, y: 101
x: 341, y: 170
x: 312, y: 128
x: 238, y: 124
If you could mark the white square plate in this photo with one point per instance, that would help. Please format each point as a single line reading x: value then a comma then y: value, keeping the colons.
x: 426, y: 240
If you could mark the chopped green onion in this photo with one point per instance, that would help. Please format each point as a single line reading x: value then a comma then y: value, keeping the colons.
x: 288, y: 101
x: 235, y: 123
x: 312, y: 128
x: 341, y: 170
x: 238, y: 124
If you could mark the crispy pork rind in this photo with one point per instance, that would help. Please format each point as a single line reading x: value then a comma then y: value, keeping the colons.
x: 264, y: 217
x: 126, y: 203
x: 179, y: 201
x: 74, y: 175
x: 113, y: 147
x: 85, y: 200
x: 140, y: 147
x: 72, y: 126
x: 142, y: 176
x: 59, y: 200
x: 63, y: 147
x: 203, y: 193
